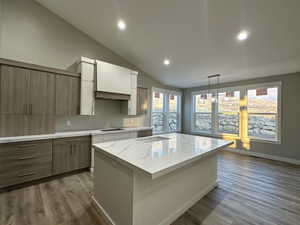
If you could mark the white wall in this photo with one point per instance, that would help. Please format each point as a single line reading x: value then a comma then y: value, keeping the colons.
x: 33, y: 34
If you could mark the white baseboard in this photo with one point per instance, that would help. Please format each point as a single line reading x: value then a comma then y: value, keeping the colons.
x: 265, y: 156
x: 102, y: 212
x: 170, y: 219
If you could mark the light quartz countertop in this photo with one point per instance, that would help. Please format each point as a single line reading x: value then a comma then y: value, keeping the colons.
x: 160, y: 154
x: 68, y: 134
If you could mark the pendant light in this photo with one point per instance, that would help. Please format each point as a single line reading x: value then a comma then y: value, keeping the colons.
x: 213, y: 83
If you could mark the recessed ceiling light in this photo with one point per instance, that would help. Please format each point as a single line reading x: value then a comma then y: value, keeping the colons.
x: 167, y: 62
x: 122, y: 25
x: 243, y: 35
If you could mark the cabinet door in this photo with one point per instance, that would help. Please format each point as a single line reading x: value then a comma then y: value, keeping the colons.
x: 71, y: 154
x: 41, y: 93
x: 81, y: 155
x: 87, y: 98
x: 142, y: 101
x: 67, y: 95
x: 61, y: 157
x: 14, y: 90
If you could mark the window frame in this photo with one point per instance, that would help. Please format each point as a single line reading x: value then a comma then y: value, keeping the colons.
x: 269, y: 85
x: 243, y: 94
x: 165, y: 112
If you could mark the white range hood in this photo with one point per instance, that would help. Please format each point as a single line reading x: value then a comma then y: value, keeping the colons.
x: 107, y: 81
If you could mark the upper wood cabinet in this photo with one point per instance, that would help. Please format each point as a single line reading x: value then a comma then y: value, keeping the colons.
x: 26, y: 92
x: 41, y: 93
x: 67, y: 95
x: 14, y: 90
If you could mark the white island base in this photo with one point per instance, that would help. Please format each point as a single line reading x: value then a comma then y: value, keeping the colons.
x: 126, y: 196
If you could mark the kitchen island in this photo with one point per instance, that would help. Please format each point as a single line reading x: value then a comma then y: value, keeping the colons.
x: 153, y: 180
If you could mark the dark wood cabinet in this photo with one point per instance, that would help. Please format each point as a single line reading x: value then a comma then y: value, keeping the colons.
x: 144, y: 133
x: 14, y: 90
x: 27, y: 101
x: 31, y: 96
x: 26, y: 92
x: 67, y: 95
x: 22, y: 162
x: 41, y: 93
x: 25, y: 161
x: 71, y: 154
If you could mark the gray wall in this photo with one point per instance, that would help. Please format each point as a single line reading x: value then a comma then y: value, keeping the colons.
x: 31, y: 33
x: 290, y: 116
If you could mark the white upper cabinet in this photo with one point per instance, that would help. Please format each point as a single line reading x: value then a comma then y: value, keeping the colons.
x: 132, y: 103
x: 113, y: 79
x: 87, y: 95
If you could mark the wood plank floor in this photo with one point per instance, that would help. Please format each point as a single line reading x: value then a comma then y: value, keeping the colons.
x: 251, y: 191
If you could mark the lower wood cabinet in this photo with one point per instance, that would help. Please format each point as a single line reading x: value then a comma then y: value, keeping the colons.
x: 144, y: 133
x: 25, y: 161
x: 71, y: 154
x: 32, y: 160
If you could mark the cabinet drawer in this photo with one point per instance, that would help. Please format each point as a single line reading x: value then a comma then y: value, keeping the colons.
x: 71, y: 140
x: 20, y: 163
x: 33, y: 149
x: 19, y: 176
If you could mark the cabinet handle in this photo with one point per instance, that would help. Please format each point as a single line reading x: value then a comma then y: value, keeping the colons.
x: 26, y: 174
x: 26, y: 158
x: 27, y: 146
x: 25, y: 109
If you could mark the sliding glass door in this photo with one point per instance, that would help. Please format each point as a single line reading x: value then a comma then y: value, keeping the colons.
x: 165, y: 111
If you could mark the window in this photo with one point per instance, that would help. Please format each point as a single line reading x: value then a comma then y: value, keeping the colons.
x: 158, y: 111
x: 259, y: 104
x: 203, y: 112
x: 166, y: 111
x: 229, y: 112
x: 263, y: 113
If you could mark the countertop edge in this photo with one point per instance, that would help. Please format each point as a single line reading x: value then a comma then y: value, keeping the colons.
x: 157, y: 174
x: 5, y: 140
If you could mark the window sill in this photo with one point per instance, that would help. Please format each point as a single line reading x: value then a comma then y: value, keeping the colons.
x: 255, y: 139
x: 252, y: 139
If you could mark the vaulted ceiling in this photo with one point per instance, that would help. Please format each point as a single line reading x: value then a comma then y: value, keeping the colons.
x: 198, y: 36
